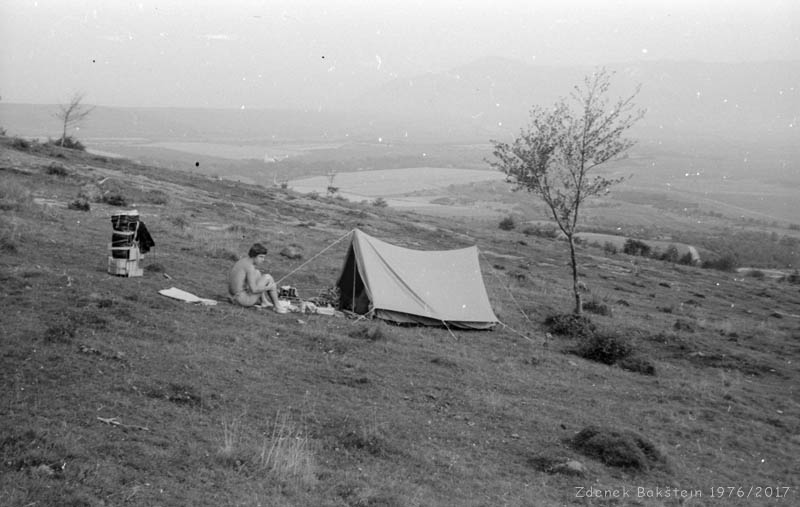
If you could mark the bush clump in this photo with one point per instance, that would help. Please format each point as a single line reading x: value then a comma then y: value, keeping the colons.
x: 507, y: 224
x: 793, y: 277
x: 541, y: 232
x: 671, y: 254
x: 115, y: 199
x: 636, y: 247
x: 569, y: 324
x: 79, y: 204
x: 617, y: 448
x: 68, y: 142
x: 606, y: 348
x: 56, y: 169
x: 19, y: 143
x: 727, y: 262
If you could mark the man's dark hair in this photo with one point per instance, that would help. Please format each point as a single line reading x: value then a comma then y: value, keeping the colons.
x: 256, y: 250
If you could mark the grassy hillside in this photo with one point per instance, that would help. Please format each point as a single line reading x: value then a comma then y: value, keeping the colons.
x: 115, y: 395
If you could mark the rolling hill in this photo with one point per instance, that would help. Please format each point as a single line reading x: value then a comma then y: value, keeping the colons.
x: 115, y: 395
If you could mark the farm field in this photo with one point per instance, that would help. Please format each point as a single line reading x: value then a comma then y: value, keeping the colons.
x: 115, y: 395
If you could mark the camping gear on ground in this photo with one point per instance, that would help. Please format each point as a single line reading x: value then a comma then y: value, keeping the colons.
x: 413, y: 286
x: 288, y: 292
x: 130, y: 239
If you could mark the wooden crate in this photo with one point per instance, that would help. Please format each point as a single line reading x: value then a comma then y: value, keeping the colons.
x: 124, y: 267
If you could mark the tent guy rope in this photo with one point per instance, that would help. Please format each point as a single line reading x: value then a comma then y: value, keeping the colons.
x: 301, y: 266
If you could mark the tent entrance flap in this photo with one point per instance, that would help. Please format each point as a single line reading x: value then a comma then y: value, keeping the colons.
x: 352, y: 292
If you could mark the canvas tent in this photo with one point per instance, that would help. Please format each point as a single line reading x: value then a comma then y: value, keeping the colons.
x: 413, y: 286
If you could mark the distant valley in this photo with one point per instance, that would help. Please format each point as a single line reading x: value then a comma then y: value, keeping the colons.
x: 719, y: 145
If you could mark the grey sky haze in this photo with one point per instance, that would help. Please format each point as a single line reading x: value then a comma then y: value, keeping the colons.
x: 318, y: 54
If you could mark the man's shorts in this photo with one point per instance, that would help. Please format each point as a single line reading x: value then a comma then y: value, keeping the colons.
x: 245, y: 299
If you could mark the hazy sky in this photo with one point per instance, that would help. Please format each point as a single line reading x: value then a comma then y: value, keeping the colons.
x: 317, y: 53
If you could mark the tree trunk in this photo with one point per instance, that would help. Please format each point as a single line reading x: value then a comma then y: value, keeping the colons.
x: 578, y: 304
x: 64, y: 133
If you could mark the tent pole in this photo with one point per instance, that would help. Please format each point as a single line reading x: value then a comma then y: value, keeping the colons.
x: 353, y: 291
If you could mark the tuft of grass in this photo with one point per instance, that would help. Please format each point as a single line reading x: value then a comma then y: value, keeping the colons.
x: 14, y: 196
x: 368, y: 436
x: 156, y: 197
x: 597, y: 307
x: 286, y: 455
x: 683, y: 325
x: 617, y: 448
x: 637, y: 364
x: 373, y: 333
x: 155, y: 267
x: 231, y: 451
x: 10, y: 235
x: 180, y: 221
x: 60, y: 332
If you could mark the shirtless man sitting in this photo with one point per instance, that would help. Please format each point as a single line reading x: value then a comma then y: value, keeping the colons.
x: 248, y: 287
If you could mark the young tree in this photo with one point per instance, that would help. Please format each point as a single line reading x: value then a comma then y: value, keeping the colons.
x: 553, y: 156
x: 72, y: 114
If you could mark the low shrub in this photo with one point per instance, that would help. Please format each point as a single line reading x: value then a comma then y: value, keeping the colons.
x: 756, y: 273
x: 507, y: 224
x: 79, y: 204
x: 68, y: 142
x: 115, y: 199
x: 55, y: 169
x: 686, y: 259
x: 19, y: 143
x: 636, y: 247
x: 727, y: 262
x: 610, y: 248
x: 606, y: 348
x: 617, y: 448
x: 569, y: 324
x: 671, y: 254
x: 380, y: 202
x: 541, y: 232
x: 793, y: 277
